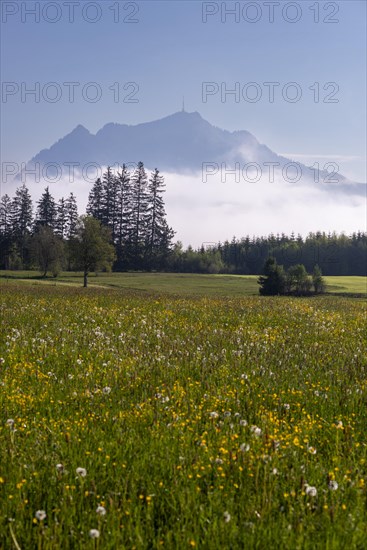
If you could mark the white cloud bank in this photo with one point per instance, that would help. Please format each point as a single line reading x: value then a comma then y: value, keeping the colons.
x: 215, y: 211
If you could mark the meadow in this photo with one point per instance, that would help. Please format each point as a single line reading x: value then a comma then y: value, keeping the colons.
x: 135, y: 419
x: 184, y: 284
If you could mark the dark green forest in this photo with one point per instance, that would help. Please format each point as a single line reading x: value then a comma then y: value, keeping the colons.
x: 130, y: 208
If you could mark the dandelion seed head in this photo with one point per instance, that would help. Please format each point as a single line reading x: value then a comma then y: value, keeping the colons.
x: 40, y: 515
x: 311, y: 491
x: 101, y: 510
x: 82, y: 472
x: 227, y: 517
x: 256, y: 431
x: 333, y: 485
x: 94, y: 533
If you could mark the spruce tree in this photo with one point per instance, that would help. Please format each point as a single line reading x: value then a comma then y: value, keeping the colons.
x: 6, y: 226
x: 21, y: 219
x: 318, y: 280
x: 272, y: 282
x: 21, y: 213
x: 159, y: 235
x: 71, y: 216
x: 95, y: 200
x: 61, y: 220
x: 6, y: 230
x: 138, y: 212
x: 123, y: 217
x: 46, y: 210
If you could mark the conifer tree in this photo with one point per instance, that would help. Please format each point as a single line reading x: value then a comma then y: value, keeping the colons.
x: 138, y: 212
x: 46, y: 210
x: 159, y: 235
x: 71, y: 216
x: 95, y: 200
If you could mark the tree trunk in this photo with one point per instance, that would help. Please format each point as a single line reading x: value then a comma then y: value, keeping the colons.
x: 85, y: 279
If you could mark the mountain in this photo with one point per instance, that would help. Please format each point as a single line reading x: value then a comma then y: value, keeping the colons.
x: 179, y: 143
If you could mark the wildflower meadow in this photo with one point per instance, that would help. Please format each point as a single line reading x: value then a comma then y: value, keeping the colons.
x: 139, y: 420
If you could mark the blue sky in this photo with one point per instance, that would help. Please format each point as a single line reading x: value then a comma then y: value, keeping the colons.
x: 170, y: 52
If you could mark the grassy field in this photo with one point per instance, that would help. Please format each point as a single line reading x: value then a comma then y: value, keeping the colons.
x: 136, y: 420
x: 183, y: 284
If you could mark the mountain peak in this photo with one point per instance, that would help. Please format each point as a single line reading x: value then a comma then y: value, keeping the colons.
x: 80, y: 130
x: 179, y: 142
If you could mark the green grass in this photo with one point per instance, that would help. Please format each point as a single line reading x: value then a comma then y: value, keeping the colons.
x: 202, y: 422
x: 183, y: 284
x: 356, y: 285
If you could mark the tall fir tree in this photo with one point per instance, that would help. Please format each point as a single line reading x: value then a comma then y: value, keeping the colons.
x: 21, y: 213
x: 159, y: 234
x: 46, y: 210
x: 110, y: 201
x: 123, y: 218
x: 22, y: 218
x: 6, y: 230
x: 138, y: 212
x: 95, y: 201
x: 61, y: 219
x: 6, y: 226
x: 71, y: 216
x: 123, y: 207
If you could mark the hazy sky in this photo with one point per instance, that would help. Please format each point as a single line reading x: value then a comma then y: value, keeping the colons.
x: 171, y: 49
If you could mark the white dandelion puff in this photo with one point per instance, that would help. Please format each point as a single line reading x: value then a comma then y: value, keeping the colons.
x: 106, y: 390
x: 243, y: 423
x: 82, y: 472
x: 213, y: 414
x: 244, y: 447
x: 40, y: 515
x: 311, y: 491
x: 101, y: 510
x: 94, y: 533
x: 256, y: 431
x: 333, y: 485
x: 227, y: 517
x: 60, y: 468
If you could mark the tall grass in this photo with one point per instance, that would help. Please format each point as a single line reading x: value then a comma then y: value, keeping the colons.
x: 199, y: 422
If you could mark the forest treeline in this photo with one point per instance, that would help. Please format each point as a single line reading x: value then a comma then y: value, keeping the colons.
x: 130, y: 207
